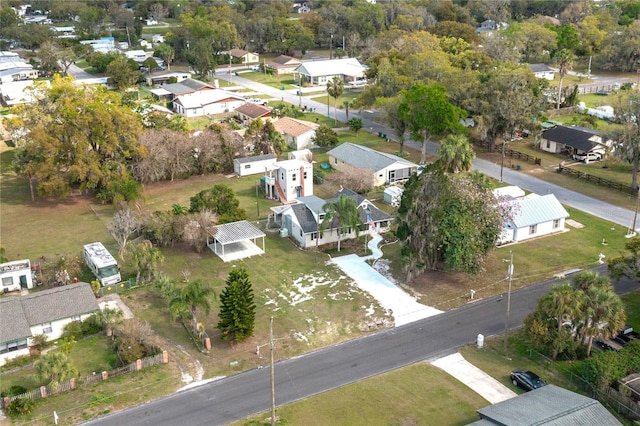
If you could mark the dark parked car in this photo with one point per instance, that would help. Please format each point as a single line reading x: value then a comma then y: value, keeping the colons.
x: 526, y: 379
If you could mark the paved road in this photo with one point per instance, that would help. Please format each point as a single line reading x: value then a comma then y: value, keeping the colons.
x: 618, y: 215
x: 248, y: 393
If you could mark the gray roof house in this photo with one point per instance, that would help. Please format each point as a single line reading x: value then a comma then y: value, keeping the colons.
x: 302, y: 220
x: 542, y: 71
x: 572, y: 140
x: 349, y: 70
x: 533, y: 216
x: 43, y: 312
x: 549, y: 405
x: 385, y: 168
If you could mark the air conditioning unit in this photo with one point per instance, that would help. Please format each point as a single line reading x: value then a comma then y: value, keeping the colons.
x: 284, y: 232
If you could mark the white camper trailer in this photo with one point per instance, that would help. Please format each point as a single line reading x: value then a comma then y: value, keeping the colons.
x: 102, y: 264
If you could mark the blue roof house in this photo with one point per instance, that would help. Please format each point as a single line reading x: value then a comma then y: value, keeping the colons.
x: 533, y: 216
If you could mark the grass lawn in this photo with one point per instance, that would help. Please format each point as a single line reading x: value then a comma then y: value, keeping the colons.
x: 416, y: 395
x: 632, y: 308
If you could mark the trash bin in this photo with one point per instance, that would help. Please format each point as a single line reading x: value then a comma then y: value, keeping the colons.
x: 518, y: 167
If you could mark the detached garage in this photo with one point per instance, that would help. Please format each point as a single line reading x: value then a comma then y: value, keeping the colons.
x: 245, y: 166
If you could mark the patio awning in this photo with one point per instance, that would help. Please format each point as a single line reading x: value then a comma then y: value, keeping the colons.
x: 236, y: 240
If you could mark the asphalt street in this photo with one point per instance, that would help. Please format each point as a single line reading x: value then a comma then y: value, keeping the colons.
x: 239, y: 396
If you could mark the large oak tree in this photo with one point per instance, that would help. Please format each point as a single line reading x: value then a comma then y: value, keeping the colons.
x: 76, y: 136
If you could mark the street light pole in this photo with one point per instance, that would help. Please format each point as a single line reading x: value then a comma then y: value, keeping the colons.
x: 331, y: 48
x: 502, y: 163
x: 506, y: 322
x: 273, y: 380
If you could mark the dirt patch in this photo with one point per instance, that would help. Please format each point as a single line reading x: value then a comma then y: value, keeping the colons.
x: 451, y: 288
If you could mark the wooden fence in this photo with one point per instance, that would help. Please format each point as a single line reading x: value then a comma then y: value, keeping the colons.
x: 625, y: 188
x: 522, y: 156
x: 57, y: 388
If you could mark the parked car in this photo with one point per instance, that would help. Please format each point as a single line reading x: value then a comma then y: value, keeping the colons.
x: 254, y: 67
x: 589, y: 156
x: 526, y: 379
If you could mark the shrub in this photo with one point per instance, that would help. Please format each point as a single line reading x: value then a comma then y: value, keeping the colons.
x: 19, y: 407
x: 73, y: 330
x: 14, y: 390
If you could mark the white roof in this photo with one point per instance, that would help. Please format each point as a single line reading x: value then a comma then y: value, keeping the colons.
x: 509, y: 192
x: 206, y: 97
x: 285, y: 164
x: 160, y: 92
x: 346, y: 66
x: 394, y: 190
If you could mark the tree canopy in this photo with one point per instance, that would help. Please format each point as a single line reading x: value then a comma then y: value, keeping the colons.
x: 447, y: 222
x: 237, y: 307
x: 77, y: 136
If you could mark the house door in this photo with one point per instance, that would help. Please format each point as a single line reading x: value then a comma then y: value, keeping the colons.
x: 392, y: 176
x: 23, y: 281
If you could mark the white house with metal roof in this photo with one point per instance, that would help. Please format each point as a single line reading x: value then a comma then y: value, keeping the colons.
x: 44, y: 312
x: 256, y: 164
x: 349, y: 70
x: 533, y: 216
x: 207, y: 102
x: 385, y: 168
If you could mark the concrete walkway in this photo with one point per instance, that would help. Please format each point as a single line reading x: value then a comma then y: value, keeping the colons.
x: 404, y: 308
x: 476, y: 379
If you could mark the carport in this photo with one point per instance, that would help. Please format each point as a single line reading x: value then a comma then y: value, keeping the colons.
x: 235, y: 241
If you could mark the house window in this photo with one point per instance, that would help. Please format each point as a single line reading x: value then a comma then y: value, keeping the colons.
x: 548, y: 144
x: 556, y: 223
x: 294, y: 177
x: 7, y: 281
x: 282, y: 176
x: 321, y: 217
x: 301, y: 232
x: 533, y: 229
x: 305, y: 175
x: 314, y: 235
x: 46, y: 328
x: 247, y: 166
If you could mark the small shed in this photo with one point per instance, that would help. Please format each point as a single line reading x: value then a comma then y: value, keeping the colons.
x: 509, y: 192
x: 245, y: 166
x: 235, y: 241
x: 392, y: 195
x: 16, y: 275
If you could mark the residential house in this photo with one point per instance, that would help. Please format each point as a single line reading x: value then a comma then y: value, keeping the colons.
x: 385, y: 168
x: 102, y: 45
x: 245, y: 56
x: 16, y: 275
x: 543, y: 71
x: 184, y: 87
x: 533, y: 216
x: 18, y: 92
x: 249, y: 111
x: 283, y: 64
x: 157, y: 38
x: 573, y: 140
x: 162, y: 78
x: 320, y: 72
x: 245, y: 166
x: 14, y: 68
x: 487, y: 25
x: 302, y: 220
x: 208, y: 102
x: 298, y: 134
x: 548, y: 405
x: 289, y: 180
x: 44, y: 312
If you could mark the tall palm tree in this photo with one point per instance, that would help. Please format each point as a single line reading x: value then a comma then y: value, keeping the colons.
x: 187, y: 301
x: 606, y: 314
x: 343, y: 213
x: 335, y: 87
x: 456, y: 154
x: 111, y: 318
x: 564, y: 304
x: 564, y: 59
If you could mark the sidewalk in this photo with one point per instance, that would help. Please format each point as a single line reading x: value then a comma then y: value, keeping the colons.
x: 476, y: 379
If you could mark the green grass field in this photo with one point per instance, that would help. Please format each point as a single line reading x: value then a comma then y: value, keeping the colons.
x: 416, y: 395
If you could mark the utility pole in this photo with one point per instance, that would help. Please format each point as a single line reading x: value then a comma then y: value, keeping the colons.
x: 506, y: 322
x: 273, y: 380
x: 331, y: 48
x: 257, y: 200
x: 502, y: 164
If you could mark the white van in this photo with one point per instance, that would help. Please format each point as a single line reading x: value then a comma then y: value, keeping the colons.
x: 102, y: 264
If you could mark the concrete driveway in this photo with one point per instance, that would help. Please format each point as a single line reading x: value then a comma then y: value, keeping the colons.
x: 404, y: 308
